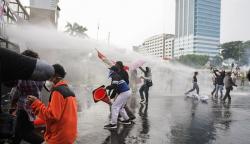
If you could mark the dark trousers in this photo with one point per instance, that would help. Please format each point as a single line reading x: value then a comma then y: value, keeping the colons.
x: 144, y: 88
x: 213, y: 90
x: 227, y: 95
x: 195, y: 87
x: 25, y: 130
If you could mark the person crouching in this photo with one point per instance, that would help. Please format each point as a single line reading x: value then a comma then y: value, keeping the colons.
x: 124, y: 93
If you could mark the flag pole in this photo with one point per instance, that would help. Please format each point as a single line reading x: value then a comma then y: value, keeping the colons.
x: 108, y: 39
x: 98, y: 27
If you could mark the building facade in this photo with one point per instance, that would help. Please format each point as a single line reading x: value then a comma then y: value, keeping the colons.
x: 197, y: 27
x: 44, y: 12
x: 168, y: 52
x: 158, y: 45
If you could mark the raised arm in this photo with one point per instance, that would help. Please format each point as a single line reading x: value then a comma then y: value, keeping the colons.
x: 142, y: 69
x: 215, y: 72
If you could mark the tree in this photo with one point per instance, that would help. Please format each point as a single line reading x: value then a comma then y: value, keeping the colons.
x: 76, y: 30
x: 232, y: 50
x: 194, y: 60
x: 236, y: 50
x: 244, y: 59
x: 216, y: 61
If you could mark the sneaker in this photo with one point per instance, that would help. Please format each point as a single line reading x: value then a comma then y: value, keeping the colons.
x: 132, y: 118
x: 110, y: 126
x: 126, y: 122
x: 142, y: 101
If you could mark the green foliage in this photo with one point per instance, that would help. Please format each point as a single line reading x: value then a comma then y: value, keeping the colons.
x: 232, y: 50
x: 194, y: 60
x: 236, y: 50
x: 76, y: 30
x: 216, y: 61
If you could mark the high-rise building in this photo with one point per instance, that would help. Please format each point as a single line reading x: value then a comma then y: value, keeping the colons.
x: 44, y: 12
x: 158, y: 45
x: 197, y: 27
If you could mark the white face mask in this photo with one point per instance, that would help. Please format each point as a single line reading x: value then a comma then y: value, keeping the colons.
x: 48, y: 85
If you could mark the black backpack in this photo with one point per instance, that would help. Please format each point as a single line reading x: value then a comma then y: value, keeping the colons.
x: 149, y: 83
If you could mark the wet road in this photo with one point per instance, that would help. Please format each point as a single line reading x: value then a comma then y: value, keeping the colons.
x: 174, y: 120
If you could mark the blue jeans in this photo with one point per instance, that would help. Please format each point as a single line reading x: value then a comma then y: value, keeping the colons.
x: 219, y: 88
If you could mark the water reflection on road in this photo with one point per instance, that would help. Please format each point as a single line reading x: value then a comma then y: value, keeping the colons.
x: 172, y: 120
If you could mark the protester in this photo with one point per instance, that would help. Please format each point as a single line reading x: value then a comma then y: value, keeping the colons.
x: 220, y: 75
x: 195, y: 84
x: 122, y: 72
x: 24, y: 129
x: 147, y: 83
x: 124, y: 75
x: 229, y: 86
x: 214, y: 79
x: 124, y: 93
x: 60, y: 115
x: 242, y: 79
x: 14, y: 66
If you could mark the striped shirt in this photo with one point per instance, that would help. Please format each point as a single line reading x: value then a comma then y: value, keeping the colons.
x: 23, y: 89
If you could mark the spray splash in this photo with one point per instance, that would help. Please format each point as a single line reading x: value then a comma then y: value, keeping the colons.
x: 83, y: 67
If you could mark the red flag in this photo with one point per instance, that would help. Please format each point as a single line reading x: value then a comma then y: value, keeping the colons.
x: 104, y: 58
x: 100, y: 55
x: 107, y: 61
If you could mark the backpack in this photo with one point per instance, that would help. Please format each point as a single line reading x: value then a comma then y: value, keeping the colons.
x: 149, y: 83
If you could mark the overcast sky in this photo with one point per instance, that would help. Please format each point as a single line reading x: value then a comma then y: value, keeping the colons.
x: 131, y: 21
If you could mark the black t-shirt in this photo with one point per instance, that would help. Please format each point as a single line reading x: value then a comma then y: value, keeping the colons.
x: 194, y: 78
x: 14, y: 66
x: 124, y: 75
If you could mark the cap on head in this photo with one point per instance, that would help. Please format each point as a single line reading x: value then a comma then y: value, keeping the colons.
x: 196, y: 73
x: 59, y: 70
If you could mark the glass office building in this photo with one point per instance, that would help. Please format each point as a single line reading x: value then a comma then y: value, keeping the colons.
x: 197, y: 29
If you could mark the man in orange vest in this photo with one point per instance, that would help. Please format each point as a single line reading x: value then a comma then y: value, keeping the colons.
x: 60, y: 115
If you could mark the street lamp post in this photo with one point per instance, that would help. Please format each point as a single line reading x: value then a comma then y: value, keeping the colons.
x: 181, y: 49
